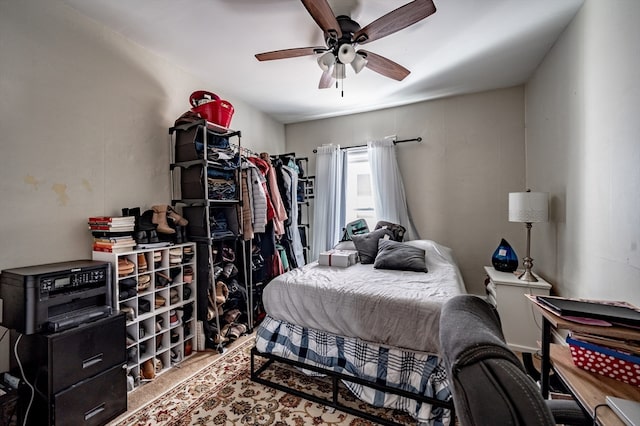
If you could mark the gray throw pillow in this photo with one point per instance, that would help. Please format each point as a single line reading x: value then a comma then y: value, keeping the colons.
x: 398, y: 230
x: 367, y: 244
x: 400, y: 256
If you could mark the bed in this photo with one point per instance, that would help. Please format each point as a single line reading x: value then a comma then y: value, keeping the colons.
x: 362, y: 321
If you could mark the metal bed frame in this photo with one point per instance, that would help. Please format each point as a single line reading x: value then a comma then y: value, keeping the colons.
x: 335, y: 378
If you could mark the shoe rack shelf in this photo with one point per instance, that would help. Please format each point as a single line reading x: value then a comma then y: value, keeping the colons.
x: 156, y: 289
x: 209, y: 192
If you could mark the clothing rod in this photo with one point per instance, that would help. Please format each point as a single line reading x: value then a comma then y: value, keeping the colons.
x: 418, y: 139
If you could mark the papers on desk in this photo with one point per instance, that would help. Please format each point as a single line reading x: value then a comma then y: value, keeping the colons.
x: 621, y: 313
x: 627, y: 410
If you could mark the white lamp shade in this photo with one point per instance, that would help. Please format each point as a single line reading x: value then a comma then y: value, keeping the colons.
x: 346, y: 53
x: 326, y: 61
x: 358, y: 63
x: 339, y: 71
x: 530, y: 207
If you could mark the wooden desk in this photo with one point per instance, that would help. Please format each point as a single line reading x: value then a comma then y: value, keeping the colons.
x: 589, y: 389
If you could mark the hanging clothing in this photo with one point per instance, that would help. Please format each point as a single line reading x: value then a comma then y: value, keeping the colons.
x: 292, y: 231
x: 278, y: 207
x: 259, y: 202
x: 247, y: 215
x: 264, y: 167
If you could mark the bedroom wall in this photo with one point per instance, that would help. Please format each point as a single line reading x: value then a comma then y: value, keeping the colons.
x: 84, y: 118
x: 457, y: 179
x: 582, y: 109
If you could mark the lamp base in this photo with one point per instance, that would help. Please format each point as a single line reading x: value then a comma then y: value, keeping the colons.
x: 527, y: 275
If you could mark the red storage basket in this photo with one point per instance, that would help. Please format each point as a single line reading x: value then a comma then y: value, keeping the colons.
x: 215, y: 110
x: 605, y: 361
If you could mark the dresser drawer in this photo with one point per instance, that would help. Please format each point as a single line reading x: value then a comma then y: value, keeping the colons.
x: 82, y: 352
x: 94, y: 401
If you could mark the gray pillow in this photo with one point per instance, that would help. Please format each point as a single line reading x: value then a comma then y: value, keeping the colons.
x: 367, y: 244
x: 398, y: 230
x: 400, y: 256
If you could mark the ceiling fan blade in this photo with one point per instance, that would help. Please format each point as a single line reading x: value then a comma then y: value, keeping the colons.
x: 385, y: 66
x: 326, y: 80
x: 288, y: 53
x: 395, y: 20
x: 322, y: 13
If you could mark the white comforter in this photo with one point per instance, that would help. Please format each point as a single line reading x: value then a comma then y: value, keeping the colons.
x: 396, y: 308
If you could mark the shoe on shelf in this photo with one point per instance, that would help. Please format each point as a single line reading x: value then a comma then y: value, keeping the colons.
x: 173, y: 318
x: 186, y: 292
x: 175, y: 217
x: 162, y: 280
x: 148, y: 370
x: 130, y: 313
x: 160, y: 219
x: 187, y: 274
x: 125, y: 267
x: 144, y: 281
x: 142, y: 262
x: 174, y: 296
x: 159, y: 324
x: 159, y: 301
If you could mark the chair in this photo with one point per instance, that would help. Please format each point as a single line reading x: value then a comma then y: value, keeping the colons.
x: 488, y: 381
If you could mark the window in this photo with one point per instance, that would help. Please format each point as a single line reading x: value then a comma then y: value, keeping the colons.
x: 359, y: 199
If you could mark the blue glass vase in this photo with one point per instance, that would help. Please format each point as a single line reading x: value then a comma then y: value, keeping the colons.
x: 504, y: 258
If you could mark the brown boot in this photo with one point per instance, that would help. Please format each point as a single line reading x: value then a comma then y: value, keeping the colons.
x: 177, y: 219
x: 160, y: 218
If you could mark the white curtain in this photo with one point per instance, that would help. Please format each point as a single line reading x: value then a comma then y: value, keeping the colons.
x: 327, y: 201
x: 388, y: 189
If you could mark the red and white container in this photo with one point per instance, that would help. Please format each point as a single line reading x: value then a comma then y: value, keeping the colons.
x: 210, y: 107
x: 606, y: 361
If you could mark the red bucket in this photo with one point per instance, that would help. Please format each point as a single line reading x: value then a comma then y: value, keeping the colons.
x: 210, y: 107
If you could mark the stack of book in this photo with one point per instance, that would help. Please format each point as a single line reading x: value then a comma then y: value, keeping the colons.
x: 609, y: 344
x: 114, y: 244
x: 113, y: 234
x: 112, y: 223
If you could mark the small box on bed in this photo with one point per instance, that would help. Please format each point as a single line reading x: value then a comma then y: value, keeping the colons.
x: 341, y: 258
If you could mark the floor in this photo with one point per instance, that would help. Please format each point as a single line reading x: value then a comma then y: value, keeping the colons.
x: 149, y: 391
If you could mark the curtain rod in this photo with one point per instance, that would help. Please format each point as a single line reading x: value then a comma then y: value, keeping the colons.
x: 418, y: 139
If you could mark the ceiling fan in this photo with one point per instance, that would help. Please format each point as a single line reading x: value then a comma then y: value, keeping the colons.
x: 342, y: 35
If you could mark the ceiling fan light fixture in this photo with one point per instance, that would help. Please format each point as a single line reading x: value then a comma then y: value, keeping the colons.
x: 359, y: 62
x: 339, y: 71
x: 346, y: 53
x: 326, y: 61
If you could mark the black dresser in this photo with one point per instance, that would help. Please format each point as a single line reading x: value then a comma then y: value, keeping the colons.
x: 79, y: 374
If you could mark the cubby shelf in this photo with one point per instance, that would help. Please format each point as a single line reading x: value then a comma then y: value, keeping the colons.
x: 156, y: 288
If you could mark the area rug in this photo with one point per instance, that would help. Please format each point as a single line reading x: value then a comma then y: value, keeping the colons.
x: 223, y: 394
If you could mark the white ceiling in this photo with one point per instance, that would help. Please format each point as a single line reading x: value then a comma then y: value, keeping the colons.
x: 466, y: 46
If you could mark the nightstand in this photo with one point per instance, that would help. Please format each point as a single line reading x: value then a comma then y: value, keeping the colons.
x: 521, y: 322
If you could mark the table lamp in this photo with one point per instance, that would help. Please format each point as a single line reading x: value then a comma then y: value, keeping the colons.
x: 528, y: 207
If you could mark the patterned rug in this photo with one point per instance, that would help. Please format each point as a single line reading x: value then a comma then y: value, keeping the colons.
x: 223, y: 394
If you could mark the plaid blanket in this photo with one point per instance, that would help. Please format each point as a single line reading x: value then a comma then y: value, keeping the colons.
x: 415, y: 372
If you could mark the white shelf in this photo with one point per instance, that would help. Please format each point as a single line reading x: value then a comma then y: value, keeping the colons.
x: 151, y: 336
